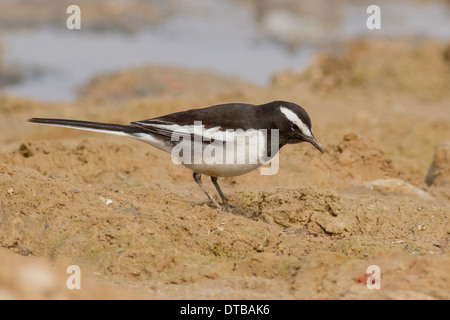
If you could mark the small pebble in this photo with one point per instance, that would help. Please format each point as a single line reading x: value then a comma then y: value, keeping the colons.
x: 106, y: 201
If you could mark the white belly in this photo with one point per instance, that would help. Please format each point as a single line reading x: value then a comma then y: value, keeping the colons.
x: 240, y: 154
x: 234, y: 158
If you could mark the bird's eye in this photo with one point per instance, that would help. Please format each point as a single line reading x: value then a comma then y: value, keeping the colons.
x: 294, y: 127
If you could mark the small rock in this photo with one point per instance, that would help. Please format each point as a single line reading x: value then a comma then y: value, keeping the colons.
x: 329, y: 224
x: 132, y: 211
x: 439, y: 171
x: 122, y: 175
x: 10, y: 191
x: 421, y: 227
x: 299, y: 231
x: 396, y: 186
x: 106, y: 201
x: 23, y: 250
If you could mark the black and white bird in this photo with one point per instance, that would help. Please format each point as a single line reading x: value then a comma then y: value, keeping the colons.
x: 264, y: 129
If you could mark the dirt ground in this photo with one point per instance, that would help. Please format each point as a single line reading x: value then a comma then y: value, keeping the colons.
x: 139, y: 227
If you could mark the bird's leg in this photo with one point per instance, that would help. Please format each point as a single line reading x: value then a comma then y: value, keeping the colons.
x: 198, y: 180
x: 219, y: 191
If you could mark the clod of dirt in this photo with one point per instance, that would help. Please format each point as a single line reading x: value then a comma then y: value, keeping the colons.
x: 25, y: 151
x: 360, y: 159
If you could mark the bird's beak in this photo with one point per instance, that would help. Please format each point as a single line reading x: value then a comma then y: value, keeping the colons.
x: 316, y: 144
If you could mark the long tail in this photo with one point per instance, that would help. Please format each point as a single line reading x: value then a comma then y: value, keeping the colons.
x: 117, y: 129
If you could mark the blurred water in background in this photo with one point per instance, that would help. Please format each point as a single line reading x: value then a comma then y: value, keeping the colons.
x: 246, y: 39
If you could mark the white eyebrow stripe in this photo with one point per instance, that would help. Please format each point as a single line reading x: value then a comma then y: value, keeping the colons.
x: 291, y: 116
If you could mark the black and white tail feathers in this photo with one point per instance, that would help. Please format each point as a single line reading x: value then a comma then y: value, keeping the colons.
x: 133, y: 131
x: 117, y: 129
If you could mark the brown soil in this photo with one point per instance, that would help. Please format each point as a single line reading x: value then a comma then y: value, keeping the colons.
x: 308, y: 232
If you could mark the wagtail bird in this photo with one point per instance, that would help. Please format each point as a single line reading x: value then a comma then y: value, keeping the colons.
x: 209, y: 133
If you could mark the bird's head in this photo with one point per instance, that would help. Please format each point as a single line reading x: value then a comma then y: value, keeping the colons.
x: 294, y: 124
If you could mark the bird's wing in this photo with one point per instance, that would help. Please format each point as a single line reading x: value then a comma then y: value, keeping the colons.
x: 195, y: 132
